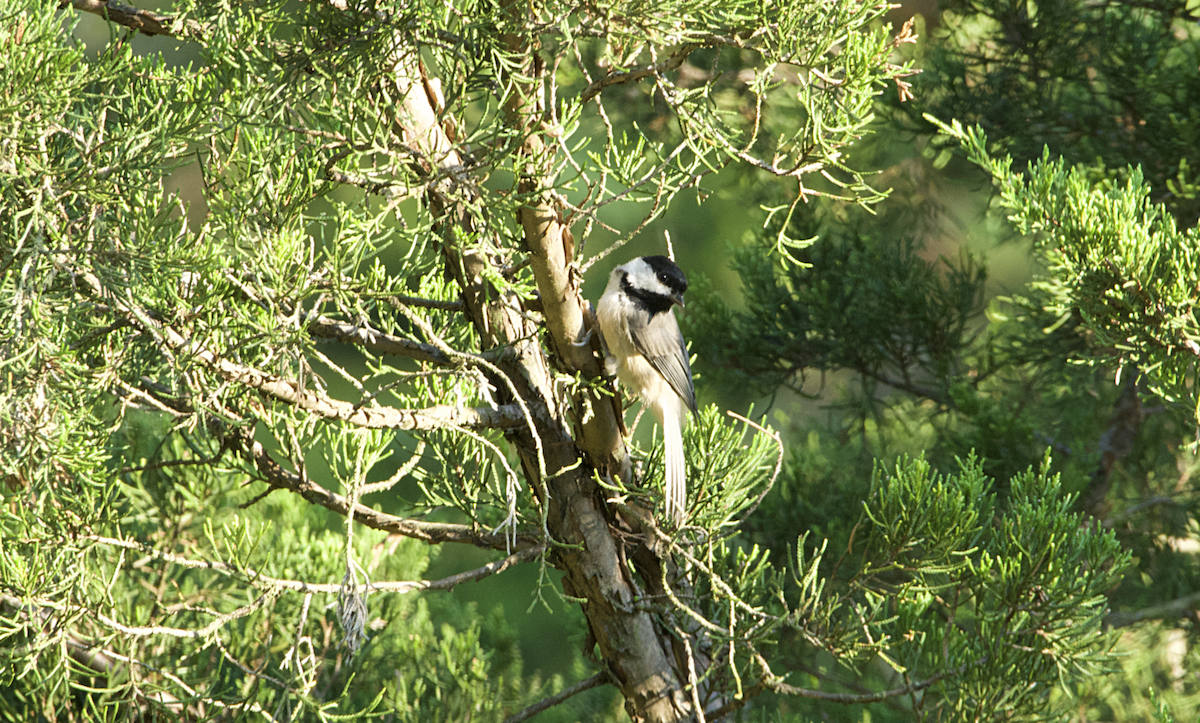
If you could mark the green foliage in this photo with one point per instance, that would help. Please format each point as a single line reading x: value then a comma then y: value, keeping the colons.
x: 1156, y: 681
x: 826, y: 314
x: 177, y: 243
x: 1109, y: 87
x: 411, y: 665
x: 938, y: 578
x: 730, y: 468
x: 1009, y: 385
x: 1110, y: 210
x: 1114, y: 259
x: 939, y: 586
x: 929, y: 373
x: 160, y: 359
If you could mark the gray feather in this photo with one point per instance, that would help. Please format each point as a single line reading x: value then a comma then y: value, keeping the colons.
x: 661, y: 342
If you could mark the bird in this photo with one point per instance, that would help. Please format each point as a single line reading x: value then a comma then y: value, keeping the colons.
x: 648, y: 355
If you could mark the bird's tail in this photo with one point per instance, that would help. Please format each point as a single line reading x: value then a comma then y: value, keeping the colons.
x: 676, y: 466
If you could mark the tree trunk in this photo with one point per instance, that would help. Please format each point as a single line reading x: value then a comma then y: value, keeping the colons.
x: 636, y: 649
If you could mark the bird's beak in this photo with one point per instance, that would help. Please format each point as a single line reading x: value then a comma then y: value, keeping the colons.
x: 678, y: 299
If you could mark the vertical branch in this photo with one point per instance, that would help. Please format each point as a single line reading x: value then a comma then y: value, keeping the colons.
x: 551, y: 249
x: 591, y: 558
x: 634, y: 647
x: 498, y: 317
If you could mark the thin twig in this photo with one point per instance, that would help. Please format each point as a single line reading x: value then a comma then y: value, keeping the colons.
x: 1116, y: 519
x: 145, y: 631
x: 777, y: 685
x: 174, y: 463
x: 633, y: 76
x: 402, y: 300
x: 527, y: 416
x: 693, y: 683
x: 194, y: 694
x: 716, y: 580
x: 404, y: 471
x: 772, y: 683
x: 280, y: 585
x: 596, y: 680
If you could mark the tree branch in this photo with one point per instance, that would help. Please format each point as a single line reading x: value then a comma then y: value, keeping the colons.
x: 778, y: 686
x: 432, y: 532
x: 402, y: 300
x: 291, y: 392
x: 739, y: 40
x: 1115, y: 443
x: 1172, y: 609
x: 596, y: 680
x: 593, y: 564
x: 241, y: 440
x: 145, y: 631
x: 634, y: 76
x: 146, y: 22
x: 103, y: 661
x: 378, y: 342
x: 573, y: 508
x: 775, y: 684
x: 255, y: 577
x: 906, y: 386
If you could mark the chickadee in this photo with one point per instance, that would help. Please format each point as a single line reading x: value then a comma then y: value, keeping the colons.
x: 646, y: 346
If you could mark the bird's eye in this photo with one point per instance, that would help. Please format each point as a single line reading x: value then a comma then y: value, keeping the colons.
x: 662, y: 278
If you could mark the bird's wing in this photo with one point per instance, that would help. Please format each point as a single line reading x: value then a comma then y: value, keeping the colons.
x: 661, y: 342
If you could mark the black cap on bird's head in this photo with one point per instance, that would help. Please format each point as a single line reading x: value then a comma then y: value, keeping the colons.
x: 669, y: 275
